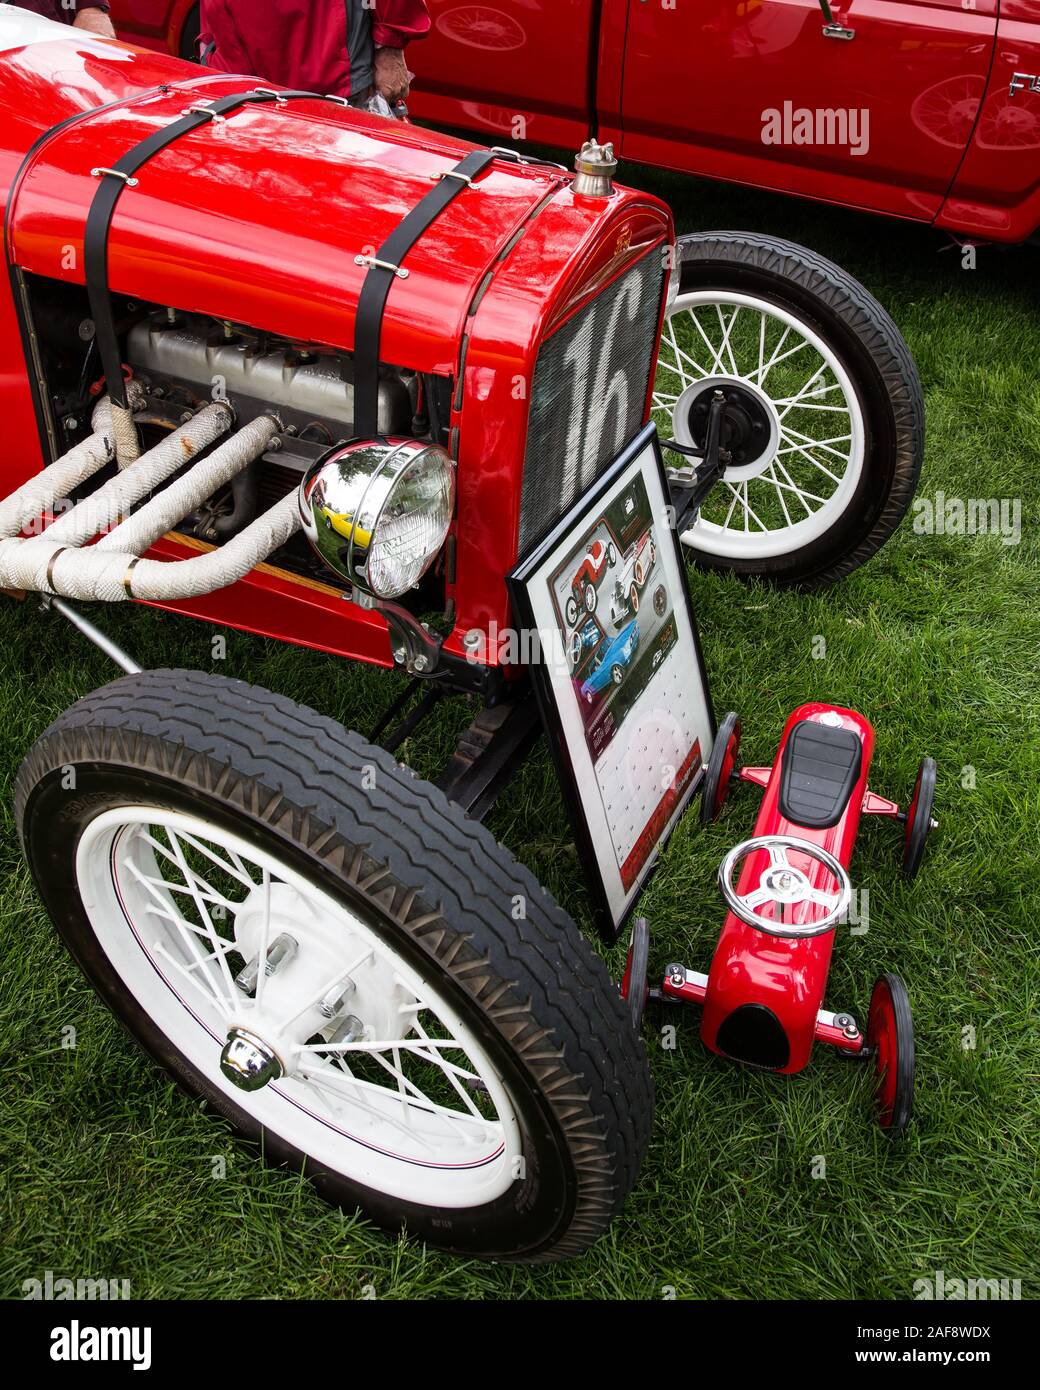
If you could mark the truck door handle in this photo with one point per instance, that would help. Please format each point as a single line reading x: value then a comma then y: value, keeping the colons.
x: 832, y: 29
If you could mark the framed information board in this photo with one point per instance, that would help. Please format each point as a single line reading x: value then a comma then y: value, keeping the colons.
x: 619, y: 678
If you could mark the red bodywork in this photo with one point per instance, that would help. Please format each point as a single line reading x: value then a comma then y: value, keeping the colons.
x: 165, y: 25
x: 687, y: 87
x: 788, y: 975
x: 259, y: 221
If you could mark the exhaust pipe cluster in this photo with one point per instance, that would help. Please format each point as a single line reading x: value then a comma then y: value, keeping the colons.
x: 59, y: 561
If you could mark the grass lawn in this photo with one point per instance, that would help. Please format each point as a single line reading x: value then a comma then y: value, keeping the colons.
x: 107, y: 1168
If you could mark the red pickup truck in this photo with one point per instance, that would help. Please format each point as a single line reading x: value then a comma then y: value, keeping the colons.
x: 922, y: 109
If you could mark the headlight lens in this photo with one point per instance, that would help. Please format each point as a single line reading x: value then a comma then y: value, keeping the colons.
x: 377, y: 511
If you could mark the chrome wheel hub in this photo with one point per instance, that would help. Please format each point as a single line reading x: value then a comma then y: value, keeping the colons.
x: 248, y: 1061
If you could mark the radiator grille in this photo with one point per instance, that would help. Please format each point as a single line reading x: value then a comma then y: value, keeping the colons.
x: 590, y: 385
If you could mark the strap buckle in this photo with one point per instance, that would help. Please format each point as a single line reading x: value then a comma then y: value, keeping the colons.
x: 100, y: 172
x: 453, y: 174
x: 201, y: 109
x: 374, y: 263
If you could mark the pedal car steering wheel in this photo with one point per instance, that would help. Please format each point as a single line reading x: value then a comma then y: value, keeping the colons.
x: 784, y: 885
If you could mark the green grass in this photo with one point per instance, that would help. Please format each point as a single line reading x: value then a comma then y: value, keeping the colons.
x: 107, y: 1168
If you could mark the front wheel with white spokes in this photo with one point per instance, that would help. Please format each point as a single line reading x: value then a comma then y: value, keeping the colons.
x: 339, y: 961
x: 823, y: 419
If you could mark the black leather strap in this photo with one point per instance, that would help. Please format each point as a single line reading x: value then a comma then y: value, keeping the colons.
x: 113, y: 182
x: 368, y: 325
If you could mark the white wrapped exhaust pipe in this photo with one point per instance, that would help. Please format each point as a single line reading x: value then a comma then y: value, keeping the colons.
x: 155, y: 518
x: 114, y: 576
x: 28, y: 504
x: 112, y: 569
x: 97, y: 512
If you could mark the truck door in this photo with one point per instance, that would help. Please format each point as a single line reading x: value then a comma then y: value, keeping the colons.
x: 874, y: 110
x: 514, y: 69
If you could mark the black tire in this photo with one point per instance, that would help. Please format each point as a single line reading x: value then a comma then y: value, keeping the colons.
x: 635, y: 987
x: 188, y: 48
x: 919, y: 824
x: 890, y: 1031
x: 533, y: 992
x: 880, y: 366
x: 716, y: 775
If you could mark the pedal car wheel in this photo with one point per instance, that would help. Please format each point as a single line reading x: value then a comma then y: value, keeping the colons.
x: 611, y: 553
x: 571, y: 611
x: 635, y: 987
x: 824, y: 418
x: 591, y: 598
x: 919, y: 822
x: 633, y: 598
x: 890, y: 1032
x: 423, y: 1050
x: 720, y: 767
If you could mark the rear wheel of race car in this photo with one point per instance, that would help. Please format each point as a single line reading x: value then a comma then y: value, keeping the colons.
x: 431, y: 1039
x: 824, y: 413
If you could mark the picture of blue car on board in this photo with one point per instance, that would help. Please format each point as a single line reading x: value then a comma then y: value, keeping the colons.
x: 610, y: 664
x: 588, y: 636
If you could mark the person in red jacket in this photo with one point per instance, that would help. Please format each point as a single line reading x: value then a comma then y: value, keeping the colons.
x: 84, y: 14
x: 348, y: 48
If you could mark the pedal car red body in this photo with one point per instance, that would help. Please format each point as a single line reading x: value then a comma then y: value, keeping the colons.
x: 763, y: 997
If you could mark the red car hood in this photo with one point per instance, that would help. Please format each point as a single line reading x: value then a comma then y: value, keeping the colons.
x: 258, y: 219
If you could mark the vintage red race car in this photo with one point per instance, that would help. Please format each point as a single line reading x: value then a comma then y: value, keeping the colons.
x: 584, y: 596
x: 262, y: 360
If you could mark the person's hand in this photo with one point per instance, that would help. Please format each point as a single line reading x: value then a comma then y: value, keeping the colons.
x: 96, y: 22
x: 390, y: 74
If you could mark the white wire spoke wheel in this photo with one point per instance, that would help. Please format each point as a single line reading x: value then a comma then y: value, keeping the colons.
x: 795, y: 419
x: 823, y: 418
x: 179, y: 907
x: 333, y: 956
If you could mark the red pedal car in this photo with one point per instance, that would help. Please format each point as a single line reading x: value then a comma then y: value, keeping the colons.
x: 762, y: 999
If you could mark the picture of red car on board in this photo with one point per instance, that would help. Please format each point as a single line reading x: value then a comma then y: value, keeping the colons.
x: 599, y: 557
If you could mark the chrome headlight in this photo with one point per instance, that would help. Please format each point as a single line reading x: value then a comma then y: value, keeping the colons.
x: 377, y: 511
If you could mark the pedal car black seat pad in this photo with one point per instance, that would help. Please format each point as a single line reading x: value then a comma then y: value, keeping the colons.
x: 820, y: 768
